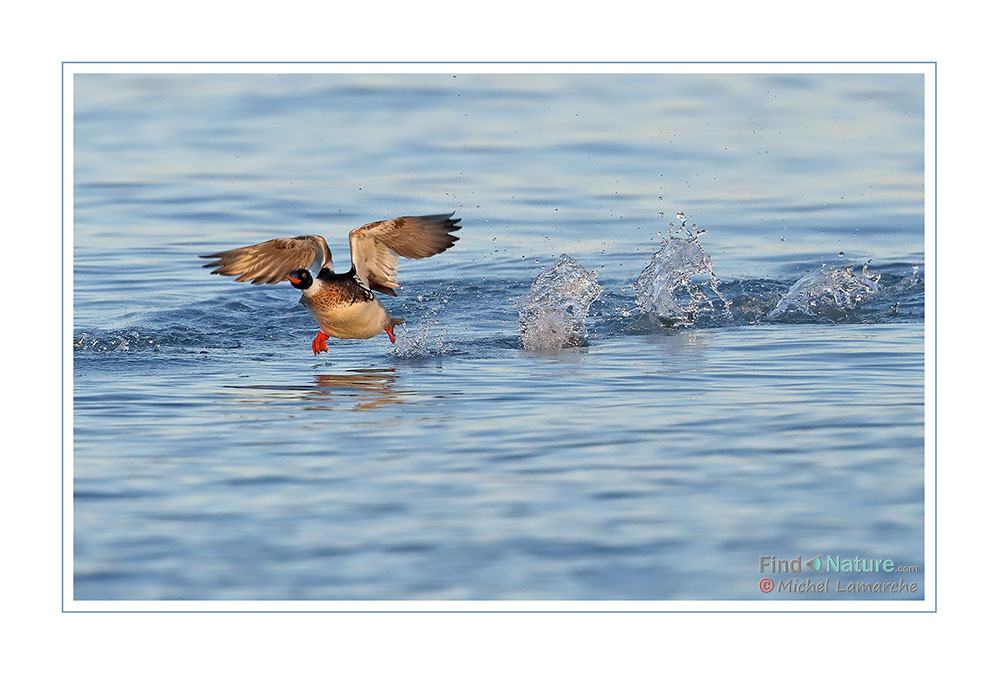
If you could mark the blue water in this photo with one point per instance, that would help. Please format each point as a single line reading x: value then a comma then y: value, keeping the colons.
x: 214, y: 457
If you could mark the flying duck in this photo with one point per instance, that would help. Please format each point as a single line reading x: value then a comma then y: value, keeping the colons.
x: 343, y: 304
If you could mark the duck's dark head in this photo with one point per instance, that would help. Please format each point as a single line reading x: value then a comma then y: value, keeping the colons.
x: 300, y: 279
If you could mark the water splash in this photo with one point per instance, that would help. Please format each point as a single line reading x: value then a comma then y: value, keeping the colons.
x: 828, y: 292
x: 113, y: 341
x: 667, y: 288
x: 911, y: 281
x: 425, y: 336
x: 423, y: 339
x: 554, y: 314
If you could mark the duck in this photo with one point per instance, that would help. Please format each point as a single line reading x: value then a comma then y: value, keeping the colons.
x: 343, y: 304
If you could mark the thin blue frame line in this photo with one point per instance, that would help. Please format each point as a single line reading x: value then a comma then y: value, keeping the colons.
x: 936, y: 309
x: 62, y: 328
x: 515, y: 62
x: 62, y: 477
x: 486, y: 611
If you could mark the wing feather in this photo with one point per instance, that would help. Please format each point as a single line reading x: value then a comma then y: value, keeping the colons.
x: 375, y: 248
x: 271, y: 261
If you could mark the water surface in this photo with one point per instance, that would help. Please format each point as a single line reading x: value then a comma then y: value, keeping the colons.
x: 215, y: 457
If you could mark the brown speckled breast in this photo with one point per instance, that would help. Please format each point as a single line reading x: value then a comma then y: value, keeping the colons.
x: 347, y: 310
x: 341, y: 291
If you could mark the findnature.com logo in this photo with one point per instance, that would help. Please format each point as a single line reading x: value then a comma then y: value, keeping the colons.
x: 830, y: 564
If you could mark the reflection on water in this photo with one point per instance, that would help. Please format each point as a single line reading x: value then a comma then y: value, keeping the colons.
x: 362, y: 389
x: 681, y: 348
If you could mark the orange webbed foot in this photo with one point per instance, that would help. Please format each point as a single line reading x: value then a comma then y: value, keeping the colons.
x: 319, y: 344
x: 388, y: 329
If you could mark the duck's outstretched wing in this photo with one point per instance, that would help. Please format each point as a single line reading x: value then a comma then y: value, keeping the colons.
x: 271, y: 261
x: 375, y: 248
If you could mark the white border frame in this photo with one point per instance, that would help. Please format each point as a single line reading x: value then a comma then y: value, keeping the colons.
x: 927, y: 69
